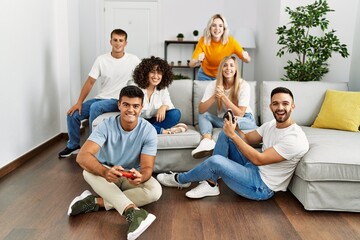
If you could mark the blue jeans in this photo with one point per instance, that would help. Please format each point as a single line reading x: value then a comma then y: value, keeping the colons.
x: 208, y: 121
x: 172, y: 117
x: 202, y: 76
x: 91, y: 109
x: 237, y: 172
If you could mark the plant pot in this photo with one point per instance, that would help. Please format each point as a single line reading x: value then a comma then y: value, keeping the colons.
x: 180, y: 39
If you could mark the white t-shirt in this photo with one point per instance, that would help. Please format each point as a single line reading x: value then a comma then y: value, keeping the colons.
x: 291, y: 143
x: 113, y: 73
x: 244, y: 96
x: 120, y: 147
x: 158, y: 98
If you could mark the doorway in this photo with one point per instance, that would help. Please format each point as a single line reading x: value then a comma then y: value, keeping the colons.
x: 139, y: 20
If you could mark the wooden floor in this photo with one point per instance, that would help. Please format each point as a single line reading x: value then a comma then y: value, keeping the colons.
x: 35, y: 197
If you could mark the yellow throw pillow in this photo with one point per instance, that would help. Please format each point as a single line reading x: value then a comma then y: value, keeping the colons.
x: 340, y: 110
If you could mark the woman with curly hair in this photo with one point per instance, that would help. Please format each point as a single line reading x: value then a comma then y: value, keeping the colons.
x: 229, y: 91
x: 153, y: 75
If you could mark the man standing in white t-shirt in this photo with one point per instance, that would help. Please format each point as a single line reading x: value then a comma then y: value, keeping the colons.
x: 249, y: 173
x: 114, y: 70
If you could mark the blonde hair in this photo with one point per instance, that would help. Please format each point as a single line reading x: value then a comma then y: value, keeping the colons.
x: 235, y: 89
x: 207, y: 33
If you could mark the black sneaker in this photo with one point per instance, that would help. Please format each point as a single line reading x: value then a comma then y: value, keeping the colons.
x: 68, y: 151
x: 83, y: 204
x: 138, y: 220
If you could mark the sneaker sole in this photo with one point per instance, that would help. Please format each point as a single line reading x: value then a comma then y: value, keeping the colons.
x: 207, y: 195
x: 68, y: 155
x: 142, y: 227
x: 202, y: 154
x: 78, y: 198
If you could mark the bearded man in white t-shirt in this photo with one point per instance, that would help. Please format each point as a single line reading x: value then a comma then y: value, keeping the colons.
x: 248, y: 172
x: 114, y: 70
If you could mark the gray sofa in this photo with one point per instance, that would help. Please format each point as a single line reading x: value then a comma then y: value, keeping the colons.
x: 327, y: 177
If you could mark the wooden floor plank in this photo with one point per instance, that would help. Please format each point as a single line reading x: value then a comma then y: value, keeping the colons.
x: 35, y: 197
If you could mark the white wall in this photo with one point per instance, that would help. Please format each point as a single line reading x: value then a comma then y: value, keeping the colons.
x: 47, y: 52
x: 355, y: 56
x: 35, y: 82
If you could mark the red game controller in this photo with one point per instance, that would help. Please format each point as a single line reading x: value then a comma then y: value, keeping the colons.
x: 128, y: 174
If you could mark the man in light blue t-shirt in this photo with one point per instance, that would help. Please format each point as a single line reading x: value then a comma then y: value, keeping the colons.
x: 118, y: 160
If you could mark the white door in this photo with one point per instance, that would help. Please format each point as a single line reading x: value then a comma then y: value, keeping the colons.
x: 139, y: 20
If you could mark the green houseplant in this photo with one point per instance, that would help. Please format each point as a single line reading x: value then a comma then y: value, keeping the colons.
x: 195, y: 34
x: 180, y: 76
x: 180, y: 36
x: 311, y: 51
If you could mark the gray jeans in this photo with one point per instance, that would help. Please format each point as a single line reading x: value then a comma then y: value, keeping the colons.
x: 122, y: 194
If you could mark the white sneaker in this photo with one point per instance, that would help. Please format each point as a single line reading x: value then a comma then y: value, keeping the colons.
x: 168, y: 180
x: 203, y: 190
x: 204, y: 149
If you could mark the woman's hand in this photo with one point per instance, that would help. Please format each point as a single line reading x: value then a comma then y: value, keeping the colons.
x: 160, y: 115
x: 246, y: 56
x: 220, y: 92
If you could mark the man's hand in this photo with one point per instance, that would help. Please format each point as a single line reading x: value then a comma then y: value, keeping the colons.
x: 229, y: 126
x: 77, y: 106
x: 113, y: 174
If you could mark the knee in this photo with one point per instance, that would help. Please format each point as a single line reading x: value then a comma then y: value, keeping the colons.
x: 87, y: 175
x: 212, y: 161
x: 75, y: 115
x: 95, y: 108
x: 175, y: 114
x: 155, y: 191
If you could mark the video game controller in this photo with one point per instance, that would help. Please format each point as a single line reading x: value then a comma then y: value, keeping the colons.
x: 226, y: 115
x: 128, y: 174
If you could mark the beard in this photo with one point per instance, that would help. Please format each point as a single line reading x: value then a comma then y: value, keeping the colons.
x: 281, y: 118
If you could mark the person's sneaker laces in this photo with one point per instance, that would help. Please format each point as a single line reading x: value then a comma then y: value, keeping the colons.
x: 204, y: 149
x: 68, y: 151
x: 203, y: 190
x: 83, y: 204
x: 138, y: 220
x: 168, y: 180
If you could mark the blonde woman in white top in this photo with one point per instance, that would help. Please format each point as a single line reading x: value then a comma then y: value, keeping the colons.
x: 229, y: 91
x: 153, y: 75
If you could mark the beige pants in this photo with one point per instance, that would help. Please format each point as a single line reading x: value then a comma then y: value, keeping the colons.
x: 122, y: 194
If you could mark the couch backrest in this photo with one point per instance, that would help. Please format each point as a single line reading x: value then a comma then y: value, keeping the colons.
x: 181, y: 93
x: 199, y: 89
x: 308, y: 98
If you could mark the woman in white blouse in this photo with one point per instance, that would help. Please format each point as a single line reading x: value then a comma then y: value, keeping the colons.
x: 229, y: 91
x: 153, y: 75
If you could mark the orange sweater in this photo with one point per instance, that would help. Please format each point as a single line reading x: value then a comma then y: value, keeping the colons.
x: 215, y: 52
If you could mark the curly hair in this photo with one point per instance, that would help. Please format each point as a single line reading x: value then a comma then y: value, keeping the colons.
x: 141, y: 72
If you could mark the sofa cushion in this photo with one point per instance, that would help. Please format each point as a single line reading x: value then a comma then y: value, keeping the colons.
x: 188, y: 139
x: 101, y: 118
x: 199, y: 89
x: 181, y: 92
x: 306, y: 95
x: 333, y: 156
x: 340, y: 110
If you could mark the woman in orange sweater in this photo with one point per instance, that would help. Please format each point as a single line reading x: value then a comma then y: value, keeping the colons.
x: 213, y: 46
